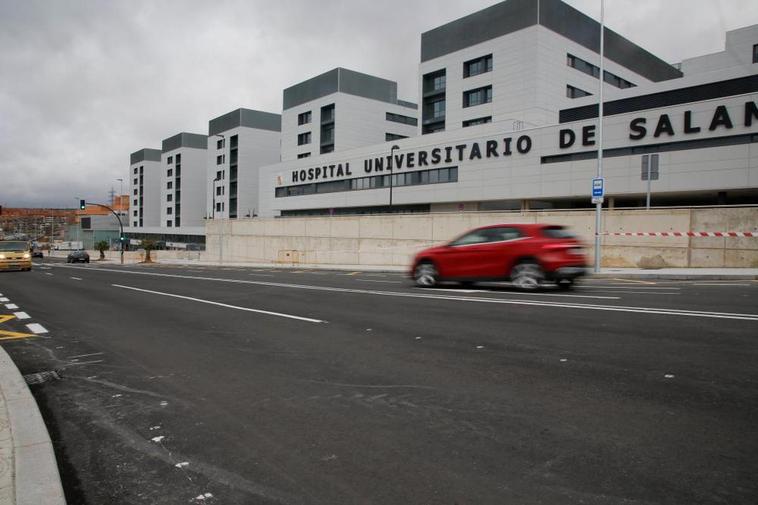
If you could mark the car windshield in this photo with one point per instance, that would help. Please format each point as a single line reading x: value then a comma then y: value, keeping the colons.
x: 557, y: 232
x: 14, y: 246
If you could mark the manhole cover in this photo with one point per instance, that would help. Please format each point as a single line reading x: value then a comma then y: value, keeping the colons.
x: 41, y: 377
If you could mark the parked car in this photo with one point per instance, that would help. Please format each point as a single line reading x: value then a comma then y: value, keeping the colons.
x: 37, y: 252
x: 526, y: 254
x: 15, y: 255
x: 80, y: 256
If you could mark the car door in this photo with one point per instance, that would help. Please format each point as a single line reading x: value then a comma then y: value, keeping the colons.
x: 504, y: 245
x: 461, y: 258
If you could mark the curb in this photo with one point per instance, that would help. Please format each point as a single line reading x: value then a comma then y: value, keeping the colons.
x: 35, y: 478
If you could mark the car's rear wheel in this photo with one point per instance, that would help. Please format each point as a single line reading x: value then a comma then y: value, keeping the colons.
x: 425, y: 274
x: 527, y: 275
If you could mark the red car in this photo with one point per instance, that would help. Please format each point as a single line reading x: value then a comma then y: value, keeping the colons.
x: 525, y: 254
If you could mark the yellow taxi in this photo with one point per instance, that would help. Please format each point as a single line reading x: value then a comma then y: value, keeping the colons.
x: 15, y: 255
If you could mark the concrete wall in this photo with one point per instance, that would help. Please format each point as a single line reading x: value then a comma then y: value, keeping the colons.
x: 392, y: 240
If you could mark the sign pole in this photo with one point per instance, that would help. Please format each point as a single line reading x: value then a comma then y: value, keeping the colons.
x: 599, y: 205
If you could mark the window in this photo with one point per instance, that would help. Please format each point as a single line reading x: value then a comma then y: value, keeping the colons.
x: 437, y: 108
x: 170, y: 160
x: 304, y: 118
x: 169, y: 172
x: 135, y: 223
x: 135, y: 170
x: 136, y: 181
x: 177, y: 220
x: 135, y: 213
x: 218, y: 190
x: 477, y: 96
x: 304, y: 138
x: 399, y: 118
x: 220, y: 143
x: 477, y: 66
x: 480, y: 120
x: 393, y: 136
x: 218, y: 207
x: 178, y: 158
x: 327, y: 113
x: 169, y: 210
x: 220, y: 159
x: 303, y: 155
x: 141, y: 169
x: 169, y: 198
x: 327, y: 149
x: 573, y: 92
x: 435, y: 82
x: 135, y: 191
x: 168, y: 224
x: 169, y: 185
x: 593, y: 70
x: 219, y: 175
x: 755, y: 53
x: 135, y: 201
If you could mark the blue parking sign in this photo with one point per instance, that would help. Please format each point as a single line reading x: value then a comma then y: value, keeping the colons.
x: 598, y: 187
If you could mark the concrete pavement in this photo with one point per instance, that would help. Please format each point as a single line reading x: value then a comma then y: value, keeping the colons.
x: 28, y: 471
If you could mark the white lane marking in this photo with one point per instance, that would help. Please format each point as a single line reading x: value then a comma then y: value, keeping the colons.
x: 36, y: 328
x: 613, y: 286
x: 83, y: 363
x: 86, y: 355
x: 11, y: 306
x: 21, y: 315
x: 262, y: 275
x: 633, y: 281
x: 635, y: 293
x: 612, y: 308
x: 374, y: 280
x: 519, y: 293
x: 48, y: 273
x: 182, y: 464
x: 76, y: 278
x: 218, y: 304
x: 718, y: 284
x: 4, y: 299
x: 158, y: 439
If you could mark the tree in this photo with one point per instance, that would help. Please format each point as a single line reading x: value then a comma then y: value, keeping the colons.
x: 148, y: 245
x: 102, y: 246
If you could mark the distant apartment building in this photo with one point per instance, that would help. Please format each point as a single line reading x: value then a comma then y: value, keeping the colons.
x: 144, y: 189
x: 343, y: 109
x: 239, y: 143
x: 183, y: 181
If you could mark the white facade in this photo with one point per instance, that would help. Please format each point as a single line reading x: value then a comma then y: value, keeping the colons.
x: 529, y: 77
x: 721, y: 156
x: 144, y: 189
x: 239, y: 143
x: 354, y: 121
x: 183, y: 182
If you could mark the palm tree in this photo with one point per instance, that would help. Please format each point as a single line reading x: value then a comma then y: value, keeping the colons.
x: 148, y: 245
x: 102, y: 246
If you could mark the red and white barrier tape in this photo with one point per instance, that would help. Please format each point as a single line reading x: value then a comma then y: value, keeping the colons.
x: 682, y: 234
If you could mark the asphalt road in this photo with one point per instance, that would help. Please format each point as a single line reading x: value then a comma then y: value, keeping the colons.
x: 259, y: 386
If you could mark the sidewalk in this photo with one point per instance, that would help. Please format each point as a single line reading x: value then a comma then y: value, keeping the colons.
x: 28, y: 471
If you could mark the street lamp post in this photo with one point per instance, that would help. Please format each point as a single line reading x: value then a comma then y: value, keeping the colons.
x: 599, y: 205
x: 390, y: 166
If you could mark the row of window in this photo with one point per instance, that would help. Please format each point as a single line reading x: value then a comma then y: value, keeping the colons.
x: 479, y: 120
x: 593, y: 70
x: 420, y: 177
x: 170, y: 159
x: 399, y: 118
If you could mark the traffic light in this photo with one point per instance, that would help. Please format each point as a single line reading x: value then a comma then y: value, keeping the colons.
x: 82, y: 205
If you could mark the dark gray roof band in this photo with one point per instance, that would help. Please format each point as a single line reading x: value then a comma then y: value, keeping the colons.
x: 245, y: 117
x: 193, y: 140
x: 342, y: 80
x: 145, y: 155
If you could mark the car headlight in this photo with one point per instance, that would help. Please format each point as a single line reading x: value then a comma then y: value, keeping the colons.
x: 27, y: 256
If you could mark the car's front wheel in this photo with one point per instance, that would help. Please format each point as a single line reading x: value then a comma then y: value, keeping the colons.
x: 527, y: 275
x: 425, y: 274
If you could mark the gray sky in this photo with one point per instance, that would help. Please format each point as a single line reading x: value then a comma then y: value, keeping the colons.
x: 85, y: 83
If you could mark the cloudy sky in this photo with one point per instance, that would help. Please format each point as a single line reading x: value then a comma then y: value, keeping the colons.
x: 86, y: 82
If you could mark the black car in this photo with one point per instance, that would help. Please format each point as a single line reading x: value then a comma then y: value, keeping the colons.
x: 77, y: 257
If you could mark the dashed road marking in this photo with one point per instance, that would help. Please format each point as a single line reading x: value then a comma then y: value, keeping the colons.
x: 76, y: 278
x: 4, y: 299
x: 21, y: 315
x: 36, y: 328
x: 377, y: 280
x: 11, y: 306
x: 48, y: 273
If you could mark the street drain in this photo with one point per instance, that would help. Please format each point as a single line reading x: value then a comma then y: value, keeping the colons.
x: 41, y: 377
